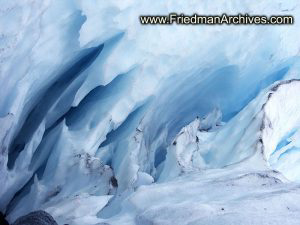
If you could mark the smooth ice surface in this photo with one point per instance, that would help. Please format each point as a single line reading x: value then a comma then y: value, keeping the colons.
x: 103, y: 120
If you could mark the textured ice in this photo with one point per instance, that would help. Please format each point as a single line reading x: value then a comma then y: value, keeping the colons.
x: 103, y: 120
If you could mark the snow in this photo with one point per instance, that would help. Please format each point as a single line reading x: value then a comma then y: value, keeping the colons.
x: 197, y: 124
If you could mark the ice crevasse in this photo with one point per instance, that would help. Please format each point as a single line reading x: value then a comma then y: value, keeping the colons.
x: 103, y: 120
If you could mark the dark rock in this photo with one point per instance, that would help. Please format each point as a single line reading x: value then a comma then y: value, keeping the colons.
x: 3, y: 221
x: 114, y: 181
x: 36, y: 218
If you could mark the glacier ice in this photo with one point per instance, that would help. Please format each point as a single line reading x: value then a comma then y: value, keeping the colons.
x: 103, y: 120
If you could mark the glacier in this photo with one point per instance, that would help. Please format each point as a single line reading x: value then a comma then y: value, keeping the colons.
x: 106, y: 121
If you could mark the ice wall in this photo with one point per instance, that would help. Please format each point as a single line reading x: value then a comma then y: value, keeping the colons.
x: 92, y: 101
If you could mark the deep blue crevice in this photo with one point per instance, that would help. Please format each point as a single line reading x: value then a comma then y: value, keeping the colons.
x: 289, y: 151
x: 160, y: 155
x: 126, y: 127
x: 285, y: 140
x: 19, y: 195
x: 102, y: 97
x: 39, y: 111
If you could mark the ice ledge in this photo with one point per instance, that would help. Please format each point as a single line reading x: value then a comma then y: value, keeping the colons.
x: 257, y: 129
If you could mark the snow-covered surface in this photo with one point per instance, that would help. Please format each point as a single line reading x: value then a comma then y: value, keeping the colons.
x: 226, y: 196
x: 103, y: 120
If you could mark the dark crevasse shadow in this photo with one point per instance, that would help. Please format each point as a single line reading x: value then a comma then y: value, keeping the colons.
x: 126, y: 127
x: 99, y: 100
x: 39, y: 111
x: 122, y: 133
x: 76, y: 117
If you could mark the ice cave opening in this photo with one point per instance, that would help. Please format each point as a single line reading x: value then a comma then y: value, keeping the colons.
x: 205, y: 106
